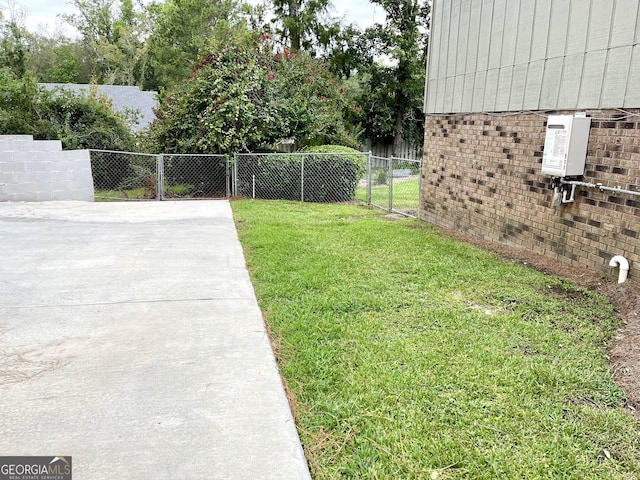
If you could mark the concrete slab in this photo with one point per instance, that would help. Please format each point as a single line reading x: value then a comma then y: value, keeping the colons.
x: 131, y: 339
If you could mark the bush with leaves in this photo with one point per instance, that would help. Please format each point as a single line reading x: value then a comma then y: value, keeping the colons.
x: 79, y: 122
x: 244, y: 97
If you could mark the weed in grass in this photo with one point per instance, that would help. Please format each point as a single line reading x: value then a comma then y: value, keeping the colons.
x: 412, y: 355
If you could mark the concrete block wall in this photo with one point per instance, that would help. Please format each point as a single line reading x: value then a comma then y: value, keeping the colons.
x: 39, y: 170
x: 482, y: 175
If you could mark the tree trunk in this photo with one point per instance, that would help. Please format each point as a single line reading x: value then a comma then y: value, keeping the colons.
x: 294, y: 25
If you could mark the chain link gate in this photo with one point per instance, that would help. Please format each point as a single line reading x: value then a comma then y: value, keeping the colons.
x: 194, y: 176
x: 393, y: 184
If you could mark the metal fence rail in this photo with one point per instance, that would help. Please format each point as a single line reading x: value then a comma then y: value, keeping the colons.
x: 392, y: 184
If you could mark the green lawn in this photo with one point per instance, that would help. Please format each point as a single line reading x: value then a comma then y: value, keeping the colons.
x: 405, y: 194
x: 414, y: 356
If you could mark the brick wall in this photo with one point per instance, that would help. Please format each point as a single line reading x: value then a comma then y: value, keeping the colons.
x: 482, y: 175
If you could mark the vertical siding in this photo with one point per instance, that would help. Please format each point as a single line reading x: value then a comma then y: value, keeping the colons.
x: 484, y: 39
x: 558, y: 28
x: 551, y: 83
x: 571, y: 76
x: 632, y: 96
x: 497, y: 34
x: 578, y: 29
x: 615, y: 76
x: 463, y: 41
x: 475, y: 12
x: 510, y: 32
x: 541, y: 21
x: 624, y: 23
x: 524, y: 32
x: 599, y: 24
x: 510, y: 55
x: 518, y: 84
x: 533, y: 85
x: 504, y: 88
x: 491, y: 90
x: 593, y: 74
x: 452, y: 50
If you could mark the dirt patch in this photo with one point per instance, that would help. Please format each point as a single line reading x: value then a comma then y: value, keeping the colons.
x: 624, y: 353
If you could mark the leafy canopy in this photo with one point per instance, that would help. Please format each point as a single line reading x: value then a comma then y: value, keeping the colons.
x: 246, y: 97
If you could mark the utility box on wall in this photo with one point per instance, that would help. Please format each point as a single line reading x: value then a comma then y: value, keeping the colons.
x: 565, y: 145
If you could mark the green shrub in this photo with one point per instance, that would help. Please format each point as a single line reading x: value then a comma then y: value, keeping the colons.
x: 332, y: 173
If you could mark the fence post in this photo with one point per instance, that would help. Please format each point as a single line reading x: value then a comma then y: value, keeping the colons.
x: 227, y: 174
x: 390, y: 181
x: 160, y: 177
x: 302, y: 179
x: 234, y: 175
x: 369, y: 174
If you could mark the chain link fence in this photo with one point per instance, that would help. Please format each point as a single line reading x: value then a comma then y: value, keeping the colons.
x: 392, y: 184
x: 124, y: 175
x: 306, y: 177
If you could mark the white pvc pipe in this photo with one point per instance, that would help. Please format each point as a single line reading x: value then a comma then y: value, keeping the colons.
x: 623, y: 263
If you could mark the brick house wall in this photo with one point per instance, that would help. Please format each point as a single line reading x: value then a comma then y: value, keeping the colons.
x: 482, y: 175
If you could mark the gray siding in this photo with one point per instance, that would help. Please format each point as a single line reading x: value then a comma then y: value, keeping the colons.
x: 499, y: 55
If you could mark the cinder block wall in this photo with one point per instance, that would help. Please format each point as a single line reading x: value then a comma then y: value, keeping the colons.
x: 40, y: 170
x: 482, y: 175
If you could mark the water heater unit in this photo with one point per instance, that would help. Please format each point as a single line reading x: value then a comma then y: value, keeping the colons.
x: 565, y: 145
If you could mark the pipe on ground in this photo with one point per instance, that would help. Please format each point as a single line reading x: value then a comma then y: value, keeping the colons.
x: 623, y: 263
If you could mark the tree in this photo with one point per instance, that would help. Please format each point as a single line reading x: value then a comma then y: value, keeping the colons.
x: 181, y: 37
x: 57, y: 59
x: 113, y: 33
x: 393, y: 91
x: 244, y: 97
x: 304, y: 24
x: 12, y: 40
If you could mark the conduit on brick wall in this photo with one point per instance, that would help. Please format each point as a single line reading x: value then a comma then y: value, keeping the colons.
x: 482, y: 175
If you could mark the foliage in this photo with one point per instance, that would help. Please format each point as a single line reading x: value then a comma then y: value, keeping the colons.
x: 20, y: 102
x: 12, y: 47
x: 393, y: 93
x: 244, y: 97
x: 411, y: 355
x: 181, y: 37
x: 87, y: 122
x: 304, y: 24
x: 113, y: 33
x: 79, y: 122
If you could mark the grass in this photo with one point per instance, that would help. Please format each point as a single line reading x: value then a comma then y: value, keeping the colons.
x: 410, y: 355
x: 143, y: 193
x: 406, y: 194
x: 128, y: 194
